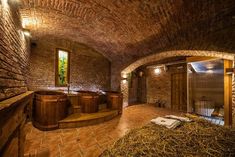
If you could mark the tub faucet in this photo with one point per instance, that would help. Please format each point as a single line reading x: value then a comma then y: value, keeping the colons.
x: 68, y: 87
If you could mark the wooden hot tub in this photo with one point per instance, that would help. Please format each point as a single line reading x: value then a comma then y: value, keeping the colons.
x: 88, y: 101
x: 49, y: 107
x: 114, y: 100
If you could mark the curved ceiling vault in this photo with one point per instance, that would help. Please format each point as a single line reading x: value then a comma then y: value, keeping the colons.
x: 125, y: 30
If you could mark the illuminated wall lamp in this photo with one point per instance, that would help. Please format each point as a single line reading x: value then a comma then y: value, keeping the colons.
x: 124, y: 80
x: 229, y: 71
x: 26, y: 32
x: 157, y: 71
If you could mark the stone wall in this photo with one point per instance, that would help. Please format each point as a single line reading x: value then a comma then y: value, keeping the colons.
x: 89, y: 70
x: 14, y: 52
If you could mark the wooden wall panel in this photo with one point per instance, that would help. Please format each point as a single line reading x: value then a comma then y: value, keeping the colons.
x: 179, y: 91
x: 227, y: 94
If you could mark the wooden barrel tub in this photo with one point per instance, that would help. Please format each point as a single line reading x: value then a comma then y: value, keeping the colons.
x: 49, y: 107
x: 114, y: 100
x: 88, y: 101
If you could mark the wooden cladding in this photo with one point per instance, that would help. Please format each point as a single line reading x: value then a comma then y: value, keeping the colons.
x: 179, y: 91
x: 12, y: 119
x: 227, y: 94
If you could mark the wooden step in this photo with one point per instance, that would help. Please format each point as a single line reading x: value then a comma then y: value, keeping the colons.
x: 85, y: 119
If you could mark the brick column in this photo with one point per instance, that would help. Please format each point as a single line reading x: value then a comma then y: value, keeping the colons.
x: 125, y: 91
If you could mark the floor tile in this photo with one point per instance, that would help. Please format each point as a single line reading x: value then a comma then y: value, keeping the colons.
x: 89, y: 141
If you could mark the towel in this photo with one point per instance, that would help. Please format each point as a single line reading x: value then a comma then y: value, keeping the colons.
x: 169, y: 123
x: 182, y: 119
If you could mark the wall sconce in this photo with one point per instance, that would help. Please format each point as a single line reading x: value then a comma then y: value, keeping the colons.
x: 124, y: 75
x: 157, y: 71
x: 229, y: 71
x: 26, y: 32
x: 124, y: 80
x: 141, y: 73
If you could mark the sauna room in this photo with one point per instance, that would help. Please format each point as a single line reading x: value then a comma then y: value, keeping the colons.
x: 107, y: 78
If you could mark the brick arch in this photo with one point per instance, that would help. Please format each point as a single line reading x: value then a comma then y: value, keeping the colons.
x: 168, y: 54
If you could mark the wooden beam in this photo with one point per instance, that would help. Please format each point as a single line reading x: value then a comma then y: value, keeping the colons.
x: 199, y: 58
x: 227, y: 94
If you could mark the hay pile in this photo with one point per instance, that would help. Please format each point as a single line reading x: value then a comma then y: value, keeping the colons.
x: 198, y: 138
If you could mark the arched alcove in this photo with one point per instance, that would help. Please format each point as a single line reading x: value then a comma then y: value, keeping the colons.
x: 176, y: 53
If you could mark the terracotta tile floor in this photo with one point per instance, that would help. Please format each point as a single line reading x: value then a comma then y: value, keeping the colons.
x: 88, y: 141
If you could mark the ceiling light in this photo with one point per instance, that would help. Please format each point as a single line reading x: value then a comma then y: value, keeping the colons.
x: 157, y: 71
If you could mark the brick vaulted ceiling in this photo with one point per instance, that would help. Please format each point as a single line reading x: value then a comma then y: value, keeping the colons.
x: 127, y: 30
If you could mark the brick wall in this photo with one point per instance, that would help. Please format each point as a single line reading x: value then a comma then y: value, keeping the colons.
x: 89, y: 70
x: 158, y: 87
x: 14, y: 52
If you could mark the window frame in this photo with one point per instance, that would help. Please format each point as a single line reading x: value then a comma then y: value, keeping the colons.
x: 57, y: 68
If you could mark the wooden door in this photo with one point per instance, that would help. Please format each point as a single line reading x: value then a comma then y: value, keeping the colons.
x: 179, y: 91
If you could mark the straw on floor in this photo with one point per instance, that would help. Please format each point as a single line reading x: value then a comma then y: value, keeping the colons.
x: 198, y: 138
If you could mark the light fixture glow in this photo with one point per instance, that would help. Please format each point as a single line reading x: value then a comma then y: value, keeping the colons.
x: 124, y: 75
x: 141, y: 73
x: 157, y: 71
x: 28, y: 22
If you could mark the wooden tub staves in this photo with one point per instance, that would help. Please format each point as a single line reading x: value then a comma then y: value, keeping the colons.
x: 88, y: 101
x: 49, y: 107
x: 114, y: 100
